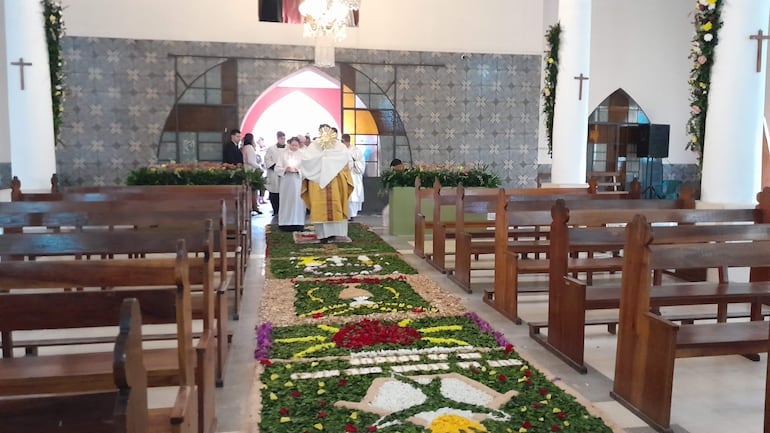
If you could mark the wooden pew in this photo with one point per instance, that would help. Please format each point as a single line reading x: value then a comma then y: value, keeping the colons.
x: 124, y: 213
x: 115, y: 273
x: 213, y: 306
x: 237, y: 198
x: 473, y: 204
x: 168, y: 303
x: 569, y: 303
x: 508, y: 252
x: 122, y: 410
x: 648, y: 345
x: 476, y: 238
x: 14, y: 216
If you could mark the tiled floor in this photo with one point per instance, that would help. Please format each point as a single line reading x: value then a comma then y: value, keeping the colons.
x: 711, y: 395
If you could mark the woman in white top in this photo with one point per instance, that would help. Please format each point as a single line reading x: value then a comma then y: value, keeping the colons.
x: 250, y: 163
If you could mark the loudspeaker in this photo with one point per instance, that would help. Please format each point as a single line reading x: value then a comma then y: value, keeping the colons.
x: 653, y: 141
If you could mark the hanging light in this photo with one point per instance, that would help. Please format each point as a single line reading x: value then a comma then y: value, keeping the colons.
x: 327, y: 22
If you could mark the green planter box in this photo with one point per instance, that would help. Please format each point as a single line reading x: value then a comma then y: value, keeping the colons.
x: 401, y: 202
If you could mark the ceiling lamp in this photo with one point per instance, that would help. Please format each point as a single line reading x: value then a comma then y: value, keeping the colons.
x: 327, y: 22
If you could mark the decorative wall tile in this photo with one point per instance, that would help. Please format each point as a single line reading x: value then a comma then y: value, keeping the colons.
x: 456, y: 107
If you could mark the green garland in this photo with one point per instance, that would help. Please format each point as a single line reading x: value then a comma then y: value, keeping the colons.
x: 447, y: 175
x: 549, y: 88
x: 707, y: 23
x: 54, y: 30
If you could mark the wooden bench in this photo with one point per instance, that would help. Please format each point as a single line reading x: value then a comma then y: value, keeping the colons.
x: 15, y: 216
x: 95, y: 216
x: 648, y: 345
x: 122, y: 410
x: 569, y: 298
x: 472, y: 206
x: 479, y: 237
x: 119, y: 212
x: 569, y: 303
x: 237, y: 198
x: 509, y: 253
x: 164, y: 296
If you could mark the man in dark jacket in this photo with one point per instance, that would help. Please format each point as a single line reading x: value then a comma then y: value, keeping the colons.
x: 231, y: 153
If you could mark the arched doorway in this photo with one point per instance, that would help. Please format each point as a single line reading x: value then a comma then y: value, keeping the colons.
x: 613, y: 134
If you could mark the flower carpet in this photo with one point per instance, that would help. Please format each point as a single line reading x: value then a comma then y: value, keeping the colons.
x: 393, y: 353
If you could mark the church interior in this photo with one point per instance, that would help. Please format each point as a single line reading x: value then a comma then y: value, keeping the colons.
x: 555, y: 98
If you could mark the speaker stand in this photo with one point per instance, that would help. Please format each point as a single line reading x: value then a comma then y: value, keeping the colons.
x: 650, y: 191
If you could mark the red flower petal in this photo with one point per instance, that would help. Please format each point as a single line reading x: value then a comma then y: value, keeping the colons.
x: 296, y: 394
x: 417, y: 310
x: 562, y: 415
x: 508, y: 348
x: 283, y: 411
x: 342, y: 382
x: 543, y: 391
x: 555, y: 428
x: 526, y: 424
x: 350, y: 428
x: 536, y: 404
x: 265, y: 362
x: 322, y: 403
x: 371, y: 428
x: 317, y: 315
x: 502, y: 378
x: 528, y: 373
x: 321, y: 414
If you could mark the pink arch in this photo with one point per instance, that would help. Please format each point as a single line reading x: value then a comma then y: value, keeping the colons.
x: 328, y: 98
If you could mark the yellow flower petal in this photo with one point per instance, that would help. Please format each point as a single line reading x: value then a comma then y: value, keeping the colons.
x: 318, y: 426
x: 354, y: 415
x: 285, y: 419
x: 273, y: 396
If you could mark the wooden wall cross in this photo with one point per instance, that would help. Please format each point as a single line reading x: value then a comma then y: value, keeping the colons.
x: 582, y: 78
x: 21, y: 64
x: 759, y: 37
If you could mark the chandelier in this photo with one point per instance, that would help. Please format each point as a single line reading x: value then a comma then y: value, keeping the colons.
x: 327, y: 22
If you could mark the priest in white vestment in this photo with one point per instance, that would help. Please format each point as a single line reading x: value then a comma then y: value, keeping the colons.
x: 327, y: 185
x: 291, y: 212
x: 357, y: 166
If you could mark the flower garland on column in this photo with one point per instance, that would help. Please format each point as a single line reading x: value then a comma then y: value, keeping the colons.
x: 54, y: 30
x: 551, y: 71
x: 707, y: 22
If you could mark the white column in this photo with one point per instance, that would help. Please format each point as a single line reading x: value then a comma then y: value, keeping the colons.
x: 570, y: 123
x: 5, y: 134
x: 30, y: 117
x: 732, y: 156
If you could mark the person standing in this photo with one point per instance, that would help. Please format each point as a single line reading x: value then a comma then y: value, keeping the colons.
x: 272, y: 154
x: 357, y: 165
x: 251, y: 162
x: 327, y: 185
x: 261, y: 162
x: 291, y: 217
x: 231, y: 153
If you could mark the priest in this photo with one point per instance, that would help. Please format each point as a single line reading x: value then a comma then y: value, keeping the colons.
x: 327, y: 185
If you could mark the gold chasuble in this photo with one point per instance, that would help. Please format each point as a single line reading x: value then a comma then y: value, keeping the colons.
x: 330, y: 203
